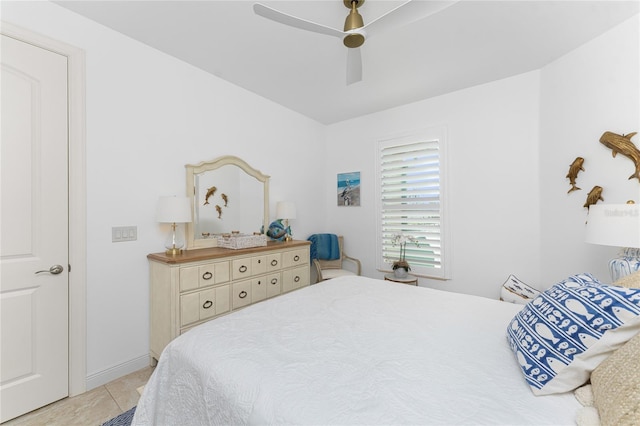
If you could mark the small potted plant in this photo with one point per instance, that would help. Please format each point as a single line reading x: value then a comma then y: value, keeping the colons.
x: 401, y: 267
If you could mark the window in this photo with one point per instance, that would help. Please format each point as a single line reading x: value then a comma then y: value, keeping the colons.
x: 411, y: 201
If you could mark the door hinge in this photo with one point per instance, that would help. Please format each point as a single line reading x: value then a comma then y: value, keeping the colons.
x: 69, y: 268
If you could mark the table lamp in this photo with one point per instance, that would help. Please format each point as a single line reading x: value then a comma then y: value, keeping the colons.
x: 617, y: 225
x: 174, y: 210
x: 286, y: 210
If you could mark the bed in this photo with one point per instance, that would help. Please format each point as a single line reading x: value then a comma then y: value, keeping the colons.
x: 351, y: 350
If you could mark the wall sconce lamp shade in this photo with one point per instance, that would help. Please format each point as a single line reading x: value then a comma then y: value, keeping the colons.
x: 616, y: 225
x: 174, y: 210
x: 286, y: 210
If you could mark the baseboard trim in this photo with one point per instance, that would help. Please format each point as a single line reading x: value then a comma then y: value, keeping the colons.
x: 105, y: 376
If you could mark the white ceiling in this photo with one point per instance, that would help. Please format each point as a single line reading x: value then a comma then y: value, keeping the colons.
x: 469, y: 43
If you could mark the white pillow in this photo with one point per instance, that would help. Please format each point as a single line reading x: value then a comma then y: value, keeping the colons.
x: 515, y: 291
x: 561, y: 336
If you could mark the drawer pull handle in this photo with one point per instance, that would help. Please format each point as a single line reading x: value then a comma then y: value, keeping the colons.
x: 274, y: 262
x: 207, y: 304
x: 207, y: 276
x: 242, y: 294
x: 296, y: 279
x: 296, y: 258
x: 242, y: 268
x: 274, y: 281
x: 259, y: 260
x: 259, y: 282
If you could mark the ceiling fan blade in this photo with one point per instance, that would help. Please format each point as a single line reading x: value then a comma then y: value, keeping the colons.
x: 354, y: 65
x: 406, y: 13
x: 292, y: 21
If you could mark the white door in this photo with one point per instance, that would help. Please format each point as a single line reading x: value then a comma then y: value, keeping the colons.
x: 34, y: 228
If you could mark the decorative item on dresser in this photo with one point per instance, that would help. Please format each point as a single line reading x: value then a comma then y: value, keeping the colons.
x: 174, y: 210
x: 617, y: 225
x: 198, y: 285
x: 286, y: 210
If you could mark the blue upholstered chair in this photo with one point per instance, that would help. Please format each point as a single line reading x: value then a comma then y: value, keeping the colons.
x: 328, y: 257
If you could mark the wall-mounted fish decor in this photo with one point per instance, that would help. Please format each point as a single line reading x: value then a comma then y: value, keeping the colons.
x: 574, y: 169
x: 219, y: 210
x: 594, y: 195
x: 225, y: 199
x: 622, y: 144
x: 210, y: 193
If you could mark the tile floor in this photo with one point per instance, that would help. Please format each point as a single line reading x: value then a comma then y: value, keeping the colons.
x: 92, y: 408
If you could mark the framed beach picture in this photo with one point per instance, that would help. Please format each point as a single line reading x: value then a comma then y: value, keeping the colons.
x: 349, y: 189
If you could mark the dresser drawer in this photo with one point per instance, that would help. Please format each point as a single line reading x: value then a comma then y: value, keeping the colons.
x: 274, y: 284
x: 241, y: 268
x: 192, y: 277
x: 295, y: 257
x: 258, y: 265
x: 274, y: 262
x: 259, y: 288
x: 241, y: 294
x: 295, y: 278
x: 201, y: 305
x: 223, y: 299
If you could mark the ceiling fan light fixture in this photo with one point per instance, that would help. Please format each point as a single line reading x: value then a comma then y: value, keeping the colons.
x: 353, y: 40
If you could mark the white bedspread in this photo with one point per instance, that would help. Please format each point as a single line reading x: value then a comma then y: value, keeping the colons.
x: 352, y: 351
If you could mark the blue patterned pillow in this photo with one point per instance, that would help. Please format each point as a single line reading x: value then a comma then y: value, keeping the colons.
x: 561, y: 336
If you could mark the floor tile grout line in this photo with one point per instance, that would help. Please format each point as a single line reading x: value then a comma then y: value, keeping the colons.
x: 113, y: 398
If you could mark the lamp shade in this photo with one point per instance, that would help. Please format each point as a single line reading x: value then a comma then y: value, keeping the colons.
x: 285, y: 210
x: 173, y: 210
x: 614, y: 225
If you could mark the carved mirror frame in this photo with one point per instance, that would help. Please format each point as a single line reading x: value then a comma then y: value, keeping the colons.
x: 227, y: 160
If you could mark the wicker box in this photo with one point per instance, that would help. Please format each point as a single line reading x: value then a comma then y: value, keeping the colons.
x: 241, y: 241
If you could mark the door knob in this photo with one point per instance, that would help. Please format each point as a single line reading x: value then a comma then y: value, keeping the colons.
x: 55, y: 270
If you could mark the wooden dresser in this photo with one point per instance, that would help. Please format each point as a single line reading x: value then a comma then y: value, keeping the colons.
x: 198, y: 285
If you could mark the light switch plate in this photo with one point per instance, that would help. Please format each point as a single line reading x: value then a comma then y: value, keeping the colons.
x: 124, y: 233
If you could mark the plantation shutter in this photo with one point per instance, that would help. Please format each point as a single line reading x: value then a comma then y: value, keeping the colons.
x: 411, y: 203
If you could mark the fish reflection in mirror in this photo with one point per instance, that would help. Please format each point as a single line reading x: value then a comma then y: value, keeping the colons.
x: 210, y: 193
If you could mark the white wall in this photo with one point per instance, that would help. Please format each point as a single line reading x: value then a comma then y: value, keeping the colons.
x: 510, y: 146
x: 492, y: 180
x: 148, y: 115
x: 591, y: 90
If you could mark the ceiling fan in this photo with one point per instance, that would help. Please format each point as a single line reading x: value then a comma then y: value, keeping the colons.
x: 355, y: 31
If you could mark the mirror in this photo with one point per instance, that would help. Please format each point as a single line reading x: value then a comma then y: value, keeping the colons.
x: 227, y: 195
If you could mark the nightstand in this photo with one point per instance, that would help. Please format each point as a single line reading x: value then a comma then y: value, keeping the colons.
x: 409, y: 279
